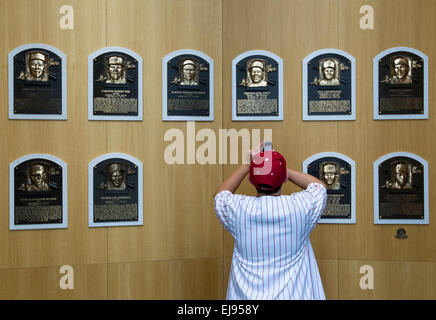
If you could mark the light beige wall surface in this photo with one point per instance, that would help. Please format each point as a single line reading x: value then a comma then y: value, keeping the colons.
x: 181, y: 251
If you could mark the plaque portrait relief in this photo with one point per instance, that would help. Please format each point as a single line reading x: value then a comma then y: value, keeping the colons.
x: 188, y: 72
x: 187, y: 88
x: 330, y: 175
x: 338, y: 173
x: 329, y: 72
x: 115, y: 191
x: 37, y: 67
x: 401, y: 189
x: 329, y: 85
x: 37, y: 178
x: 257, y: 87
x: 38, y: 193
x: 115, y: 68
x: 114, y: 85
x: 401, y: 175
x: 401, y: 70
x: 256, y: 75
x: 400, y: 84
x: 116, y: 177
x: 37, y: 83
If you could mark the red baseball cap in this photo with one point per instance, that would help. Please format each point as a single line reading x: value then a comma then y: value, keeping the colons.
x: 267, y: 170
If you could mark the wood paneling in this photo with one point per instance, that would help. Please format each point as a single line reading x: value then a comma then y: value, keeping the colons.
x: 182, y: 252
x: 329, y: 277
x: 179, y: 221
x: 89, y: 282
x: 76, y: 141
x: 365, y: 140
x: 174, y: 279
x: 392, y: 280
x: 287, y: 29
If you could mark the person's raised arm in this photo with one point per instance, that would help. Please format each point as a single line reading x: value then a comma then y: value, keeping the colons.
x: 234, y: 180
x: 302, y: 179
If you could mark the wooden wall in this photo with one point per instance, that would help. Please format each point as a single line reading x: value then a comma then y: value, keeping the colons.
x: 182, y: 252
x: 403, y: 269
x: 177, y: 253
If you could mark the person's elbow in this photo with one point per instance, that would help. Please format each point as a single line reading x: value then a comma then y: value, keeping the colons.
x: 218, y: 191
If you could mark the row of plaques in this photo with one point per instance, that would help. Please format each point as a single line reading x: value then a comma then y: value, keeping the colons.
x: 38, y: 190
x: 38, y: 82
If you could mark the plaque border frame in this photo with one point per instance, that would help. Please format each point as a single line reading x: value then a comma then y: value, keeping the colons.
x: 352, y: 164
x: 375, y: 61
x: 279, y: 61
x: 58, y: 161
x: 305, y: 111
x: 424, y: 163
x: 14, y: 52
x: 91, y: 57
x: 96, y: 161
x: 168, y: 57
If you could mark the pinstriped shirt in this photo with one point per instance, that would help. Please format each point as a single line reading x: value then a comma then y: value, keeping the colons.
x: 273, y: 257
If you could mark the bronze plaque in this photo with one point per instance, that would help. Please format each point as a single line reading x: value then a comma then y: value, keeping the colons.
x: 257, y: 88
x: 37, y: 83
x: 336, y: 175
x: 401, y: 84
x: 188, y: 86
x: 329, y: 90
x: 115, y: 192
x: 116, y: 85
x: 401, y: 189
x: 38, y: 192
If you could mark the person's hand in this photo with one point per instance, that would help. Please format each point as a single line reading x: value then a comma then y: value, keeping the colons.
x: 251, y: 152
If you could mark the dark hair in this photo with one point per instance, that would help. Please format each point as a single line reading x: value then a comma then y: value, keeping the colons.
x: 260, y: 190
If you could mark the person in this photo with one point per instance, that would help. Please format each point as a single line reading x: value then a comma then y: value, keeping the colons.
x: 401, y: 70
x: 328, y: 68
x: 37, y: 67
x: 115, y: 174
x: 329, y: 175
x: 256, y: 72
x: 38, y: 178
x: 188, y: 73
x: 401, y: 177
x: 272, y: 257
x: 116, y: 72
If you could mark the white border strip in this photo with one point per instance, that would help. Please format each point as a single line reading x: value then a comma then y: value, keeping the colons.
x: 95, y: 162
x: 306, y: 116
x: 377, y: 220
x: 234, y: 86
x: 12, y: 115
x: 12, y: 165
x: 168, y: 57
x: 91, y: 57
x: 352, y: 164
x: 375, y: 62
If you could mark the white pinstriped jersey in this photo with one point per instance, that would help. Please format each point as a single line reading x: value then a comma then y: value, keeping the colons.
x: 273, y: 257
